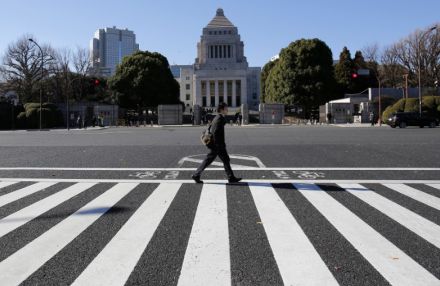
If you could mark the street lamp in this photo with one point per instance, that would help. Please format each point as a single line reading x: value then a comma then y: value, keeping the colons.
x: 419, y: 62
x: 41, y: 68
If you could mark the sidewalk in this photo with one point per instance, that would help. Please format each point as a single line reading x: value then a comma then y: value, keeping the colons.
x: 358, y: 125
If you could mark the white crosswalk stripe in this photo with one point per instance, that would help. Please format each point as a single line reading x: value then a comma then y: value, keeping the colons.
x: 206, y: 259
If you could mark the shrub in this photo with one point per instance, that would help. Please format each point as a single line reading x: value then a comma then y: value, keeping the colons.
x: 430, y: 105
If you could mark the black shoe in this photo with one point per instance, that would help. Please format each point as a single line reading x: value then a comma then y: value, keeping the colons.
x: 234, y: 180
x: 197, y: 179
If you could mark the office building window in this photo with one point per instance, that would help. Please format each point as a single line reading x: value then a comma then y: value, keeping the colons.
x: 188, y: 86
x: 188, y: 96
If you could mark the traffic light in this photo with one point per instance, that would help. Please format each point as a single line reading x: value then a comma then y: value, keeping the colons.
x: 96, y: 82
x: 354, y: 75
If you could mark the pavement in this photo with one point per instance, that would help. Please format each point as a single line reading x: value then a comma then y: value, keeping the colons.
x: 318, y: 205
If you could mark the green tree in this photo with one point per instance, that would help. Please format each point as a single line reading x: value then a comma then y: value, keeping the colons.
x: 264, y: 75
x: 302, y: 76
x: 144, y: 79
x: 344, y: 70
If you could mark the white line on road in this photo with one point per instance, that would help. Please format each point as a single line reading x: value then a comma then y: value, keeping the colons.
x: 415, y: 194
x: 28, y: 213
x: 372, y: 245
x: 207, y: 260
x: 412, y: 221
x: 215, y: 169
x: 24, y: 192
x: 298, y: 261
x: 17, y: 267
x: 5, y: 184
x: 117, y: 260
x: 360, y: 181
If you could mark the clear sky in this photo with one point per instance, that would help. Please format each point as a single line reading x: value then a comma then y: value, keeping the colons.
x: 174, y: 27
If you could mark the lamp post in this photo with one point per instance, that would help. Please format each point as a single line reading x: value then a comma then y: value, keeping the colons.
x: 419, y: 64
x: 41, y: 68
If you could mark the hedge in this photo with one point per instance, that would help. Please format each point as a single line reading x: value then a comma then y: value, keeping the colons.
x: 430, y: 105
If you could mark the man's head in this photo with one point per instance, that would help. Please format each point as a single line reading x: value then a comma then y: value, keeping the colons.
x: 222, y: 108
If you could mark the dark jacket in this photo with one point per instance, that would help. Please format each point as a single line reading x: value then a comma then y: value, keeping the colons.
x: 218, y: 130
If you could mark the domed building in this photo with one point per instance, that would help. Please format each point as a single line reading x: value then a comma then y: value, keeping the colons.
x: 221, y: 72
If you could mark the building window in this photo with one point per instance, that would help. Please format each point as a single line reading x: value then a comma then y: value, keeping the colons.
x: 220, y: 52
x: 188, y: 96
x: 238, y: 88
x: 204, y: 101
x: 229, y: 100
x: 188, y: 78
x: 229, y: 51
x: 230, y: 32
x: 221, y: 88
x: 224, y: 52
x: 188, y: 86
x: 212, y: 101
x: 203, y: 88
x: 229, y: 88
x: 238, y: 101
x: 212, y: 88
x: 216, y: 51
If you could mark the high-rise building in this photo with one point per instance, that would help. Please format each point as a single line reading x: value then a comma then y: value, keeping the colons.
x: 221, y: 72
x: 108, y: 47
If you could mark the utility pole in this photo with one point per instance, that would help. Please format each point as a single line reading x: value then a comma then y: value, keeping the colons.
x: 41, y: 86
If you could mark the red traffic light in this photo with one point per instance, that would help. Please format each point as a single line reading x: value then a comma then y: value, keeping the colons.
x: 354, y: 75
x: 96, y: 82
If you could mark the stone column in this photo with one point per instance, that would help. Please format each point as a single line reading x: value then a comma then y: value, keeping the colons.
x: 244, y: 94
x: 208, y: 93
x: 234, y: 94
x: 216, y: 94
x: 197, y: 100
x: 225, y: 91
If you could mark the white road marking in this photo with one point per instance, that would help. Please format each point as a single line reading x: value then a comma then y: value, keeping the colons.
x: 21, y: 217
x: 232, y: 156
x: 215, y: 163
x: 17, y: 267
x: 223, y: 181
x: 377, y: 250
x: 24, y: 192
x: 117, y: 260
x: 412, y: 221
x: 207, y: 260
x: 298, y: 261
x: 415, y: 194
x: 245, y: 168
x: 435, y: 185
x: 5, y: 184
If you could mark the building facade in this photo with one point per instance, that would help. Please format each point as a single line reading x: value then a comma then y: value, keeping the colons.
x: 221, y: 72
x: 108, y: 47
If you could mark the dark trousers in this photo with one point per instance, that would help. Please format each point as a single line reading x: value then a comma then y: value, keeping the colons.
x: 213, y: 153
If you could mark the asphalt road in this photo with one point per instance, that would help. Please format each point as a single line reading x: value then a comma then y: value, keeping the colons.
x: 319, y: 205
x: 319, y: 146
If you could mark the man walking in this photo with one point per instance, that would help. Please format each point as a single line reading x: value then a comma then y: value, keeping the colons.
x: 218, y: 147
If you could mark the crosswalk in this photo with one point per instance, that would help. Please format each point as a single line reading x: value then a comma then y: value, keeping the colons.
x: 255, y: 233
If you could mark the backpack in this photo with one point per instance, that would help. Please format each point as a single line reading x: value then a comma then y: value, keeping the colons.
x: 207, y: 137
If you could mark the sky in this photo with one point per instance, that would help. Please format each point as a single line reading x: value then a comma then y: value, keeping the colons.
x: 173, y: 28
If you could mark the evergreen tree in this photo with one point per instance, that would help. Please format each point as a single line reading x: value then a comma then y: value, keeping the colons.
x: 344, y: 70
x: 302, y: 76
